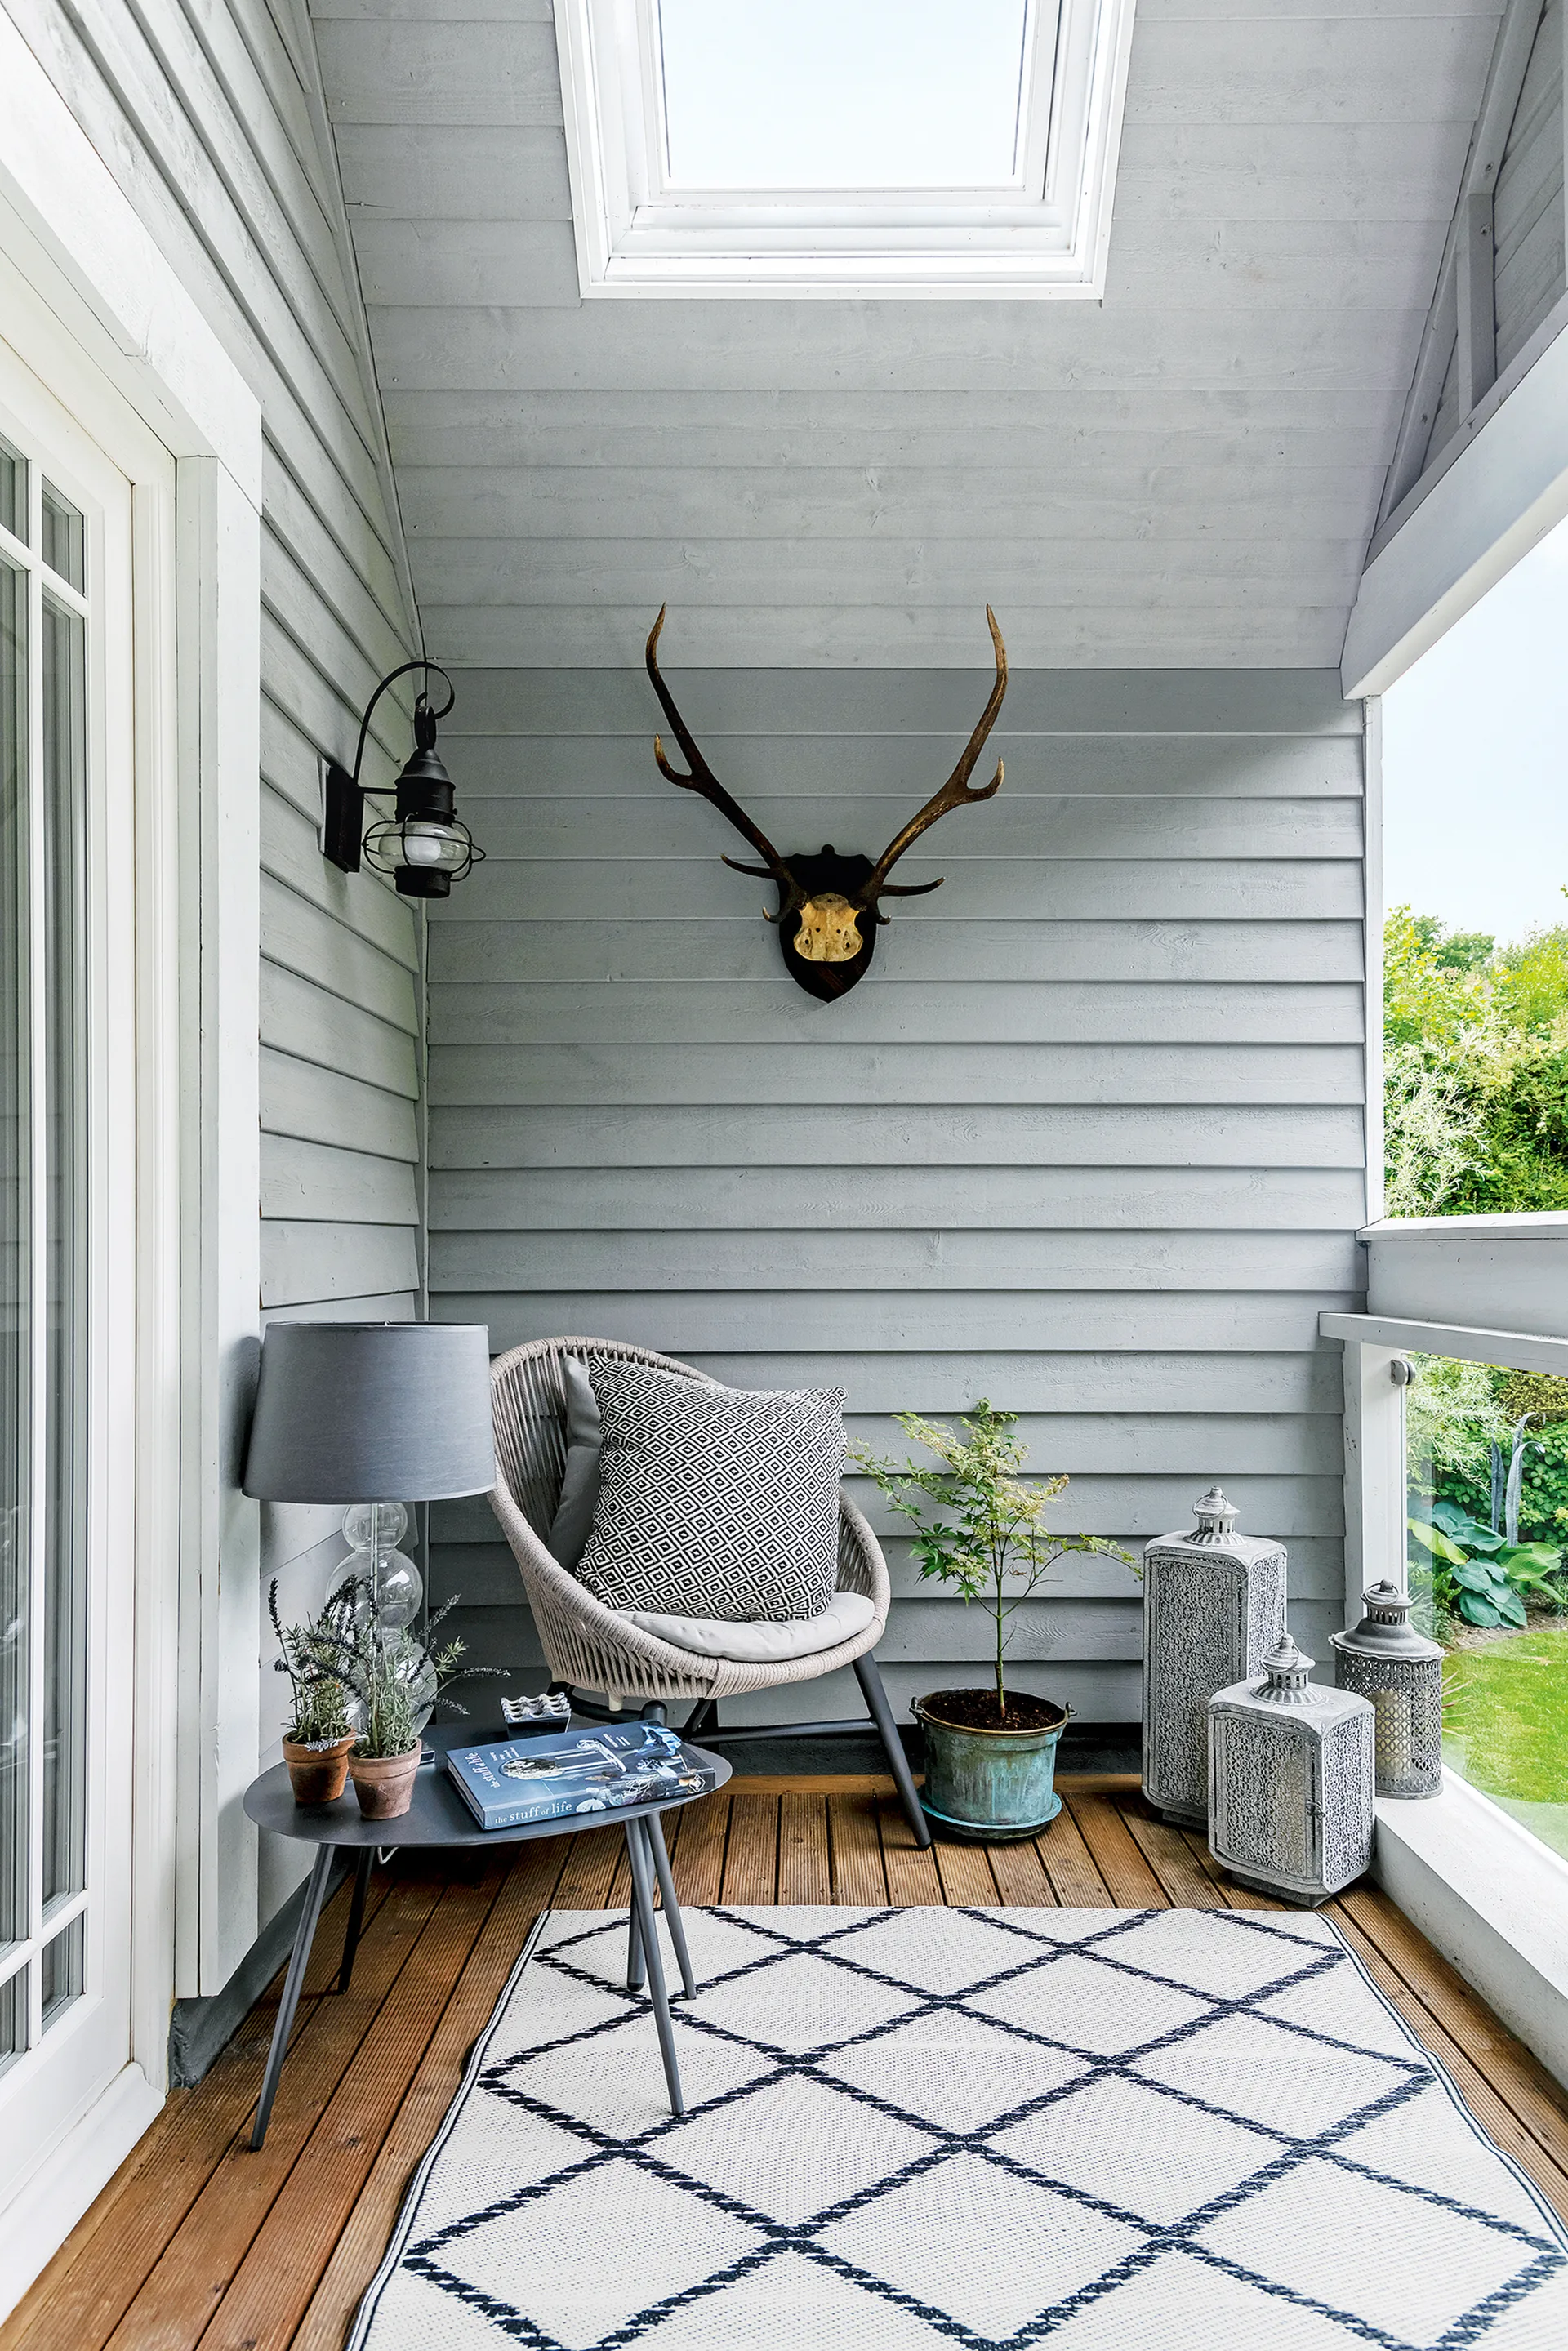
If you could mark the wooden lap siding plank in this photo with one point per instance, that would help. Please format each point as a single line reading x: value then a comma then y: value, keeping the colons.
x: 805, y: 1873
x: 751, y: 1861
x: 1131, y: 1883
x: 528, y: 1889
x: 199, y: 2263
x: 859, y: 1880
x: 284, y: 2264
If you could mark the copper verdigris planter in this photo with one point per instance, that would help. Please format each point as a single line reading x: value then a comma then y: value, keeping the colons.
x: 990, y: 1787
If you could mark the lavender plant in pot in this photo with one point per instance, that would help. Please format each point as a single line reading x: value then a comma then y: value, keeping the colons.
x: 390, y: 1681
x: 990, y: 1753
x: 320, y: 1734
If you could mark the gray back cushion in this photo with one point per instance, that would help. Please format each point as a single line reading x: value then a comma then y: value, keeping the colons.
x: 573, y: 1521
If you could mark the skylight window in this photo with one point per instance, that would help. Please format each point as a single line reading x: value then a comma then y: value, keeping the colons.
x: 842, y: 147
x: 797, y: 94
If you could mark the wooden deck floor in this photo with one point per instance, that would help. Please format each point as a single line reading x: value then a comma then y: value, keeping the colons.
x: 197, y: 2241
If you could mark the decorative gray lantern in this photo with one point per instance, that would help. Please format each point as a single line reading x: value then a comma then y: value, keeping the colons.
x: 1383, y: 1658
x: 1213, y: 1602
x: 1291, y: 1780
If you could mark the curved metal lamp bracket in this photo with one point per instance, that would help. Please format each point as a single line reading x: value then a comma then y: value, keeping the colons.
x: 343, y: 796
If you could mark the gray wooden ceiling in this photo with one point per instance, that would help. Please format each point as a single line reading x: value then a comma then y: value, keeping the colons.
x: 1185, y: 474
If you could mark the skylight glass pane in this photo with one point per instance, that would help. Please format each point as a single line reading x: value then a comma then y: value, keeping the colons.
x: 842, y: 94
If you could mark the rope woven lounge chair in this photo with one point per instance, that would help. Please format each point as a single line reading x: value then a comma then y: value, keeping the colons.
x: 592, y: 1647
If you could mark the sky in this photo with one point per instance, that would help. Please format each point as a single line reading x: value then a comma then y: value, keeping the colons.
x: 835, y: 93
x: 1475, y: 760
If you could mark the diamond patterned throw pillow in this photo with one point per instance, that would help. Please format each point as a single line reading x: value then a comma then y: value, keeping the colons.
x: 714, y: 1502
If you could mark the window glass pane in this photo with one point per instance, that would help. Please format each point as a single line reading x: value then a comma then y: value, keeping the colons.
x: 13, y: 2017
x: 61, y: 1968
x: 842, y: 93
x: 1486, y: 1469
x: 65, y: 539
x: 64, y: 1726
x: 16, y: 1256
x: 13, y: 490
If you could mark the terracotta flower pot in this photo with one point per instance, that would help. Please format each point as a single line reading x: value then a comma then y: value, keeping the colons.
x: 318, y: 1769
x: 384, y: 1784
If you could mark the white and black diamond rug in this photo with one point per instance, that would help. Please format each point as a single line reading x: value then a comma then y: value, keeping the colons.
x: 1106, y: 2130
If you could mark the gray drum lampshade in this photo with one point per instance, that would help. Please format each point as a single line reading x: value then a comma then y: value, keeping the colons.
x: 369, y: 1412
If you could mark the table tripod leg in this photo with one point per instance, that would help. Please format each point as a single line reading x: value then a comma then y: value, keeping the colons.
x: 638, y: 1849
x: 634, y: 1968
x: 356, y: 1917
x: 672, y: 1918
x: 304, y: 1936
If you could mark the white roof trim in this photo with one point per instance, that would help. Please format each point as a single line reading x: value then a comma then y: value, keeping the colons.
x: 636, y: 237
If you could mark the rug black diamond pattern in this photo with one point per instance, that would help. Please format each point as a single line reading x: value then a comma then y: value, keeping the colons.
x: 1106, y: 2130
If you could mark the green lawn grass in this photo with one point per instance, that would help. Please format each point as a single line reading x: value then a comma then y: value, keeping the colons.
x: 1505, y: 1729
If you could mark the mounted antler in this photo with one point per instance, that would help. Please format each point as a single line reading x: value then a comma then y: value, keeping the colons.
x: 824, y: 900
x: 954, y: 794
x: 703, y: 779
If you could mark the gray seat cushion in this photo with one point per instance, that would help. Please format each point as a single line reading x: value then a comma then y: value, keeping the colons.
x: 714, y: 1502
x: 847, y: 1613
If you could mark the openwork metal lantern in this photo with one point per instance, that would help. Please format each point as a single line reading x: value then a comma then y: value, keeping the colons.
x: 1214, y: 1601
x: 1291, y: 1780
x: 1383, y: 1658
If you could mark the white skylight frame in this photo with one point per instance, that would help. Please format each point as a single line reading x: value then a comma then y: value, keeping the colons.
x: 1044, y: 235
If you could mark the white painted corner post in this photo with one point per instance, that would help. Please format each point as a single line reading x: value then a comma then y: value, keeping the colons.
x: 219, y: 640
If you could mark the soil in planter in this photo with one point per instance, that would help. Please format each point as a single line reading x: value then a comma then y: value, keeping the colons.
x: 977, y: 1710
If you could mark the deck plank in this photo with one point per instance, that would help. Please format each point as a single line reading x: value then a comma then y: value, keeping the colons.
x: 698, y: 1859
x: 860, y: 1878
x: 272, y: 2286
x: 197, y: 2267
x: 805, y: 1873
x: 751, y: 1857
x: 196, y: 2243
x: 528, y: 1890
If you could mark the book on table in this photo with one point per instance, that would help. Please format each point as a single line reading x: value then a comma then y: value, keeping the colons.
x: 510, y: 1782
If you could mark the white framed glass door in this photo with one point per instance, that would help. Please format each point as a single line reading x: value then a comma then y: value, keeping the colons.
x: 67, y: 1243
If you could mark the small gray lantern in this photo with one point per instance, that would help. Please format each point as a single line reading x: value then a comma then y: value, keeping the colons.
x: 1291, y: 1780
x: 1213, y: 1602
x: 1383, y: 1658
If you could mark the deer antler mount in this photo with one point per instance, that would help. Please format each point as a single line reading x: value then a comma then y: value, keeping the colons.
x: 830, y: 905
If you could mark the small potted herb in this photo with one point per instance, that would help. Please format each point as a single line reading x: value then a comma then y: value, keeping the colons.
x: 320, y: 1734
x: 391, y: 1680
x: 991, y: 1754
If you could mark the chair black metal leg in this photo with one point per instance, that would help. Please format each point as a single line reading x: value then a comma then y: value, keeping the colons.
x: 304, y: 1936
x: 702, y: 1719
x: 638, y: 1848
x: 870, y: 1679
x: 672, y: 1918
x: 356, y: 1915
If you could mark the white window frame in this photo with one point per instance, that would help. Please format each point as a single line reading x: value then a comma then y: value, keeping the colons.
x: 1045, y: 236
x: 1486, y: 1290
x: 94, y: 310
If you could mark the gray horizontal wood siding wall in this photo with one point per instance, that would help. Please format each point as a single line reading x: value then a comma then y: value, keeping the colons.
x: 1088, y: 1140
x: 209, y: 118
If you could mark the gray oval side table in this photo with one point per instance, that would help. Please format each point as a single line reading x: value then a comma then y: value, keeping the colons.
x: 438, y: 1816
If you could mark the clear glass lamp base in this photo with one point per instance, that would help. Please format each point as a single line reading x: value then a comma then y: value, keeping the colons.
x: 392, y: 1588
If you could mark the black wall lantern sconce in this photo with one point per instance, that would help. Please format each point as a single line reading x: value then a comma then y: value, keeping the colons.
x: 424, y: 845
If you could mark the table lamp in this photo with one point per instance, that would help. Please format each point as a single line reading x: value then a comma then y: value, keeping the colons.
x: 353, y: 1412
